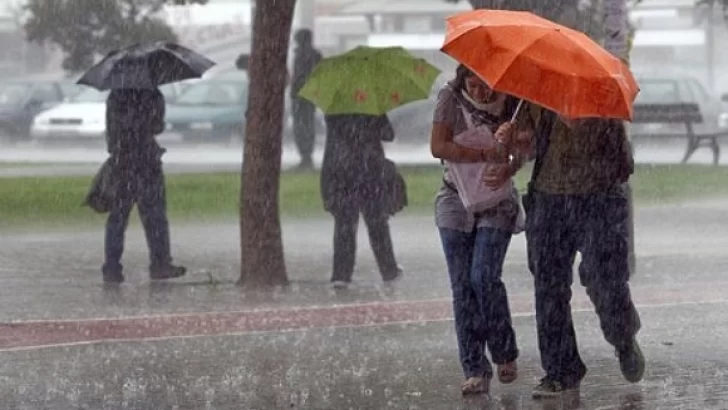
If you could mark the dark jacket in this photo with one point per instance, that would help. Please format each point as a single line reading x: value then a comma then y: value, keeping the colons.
x: 355, y: 174
x: 305, y: 59
x: 133, y: 119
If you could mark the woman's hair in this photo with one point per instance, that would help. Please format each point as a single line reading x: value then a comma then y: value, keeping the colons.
x: 461, y: 74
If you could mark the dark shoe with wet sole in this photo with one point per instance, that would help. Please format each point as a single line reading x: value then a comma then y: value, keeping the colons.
x: 396, y: 278
x: 167, y: 272
x: 552, y: 388
x: 113, y: 277
x: 632, y: 362
x: 112, y: 273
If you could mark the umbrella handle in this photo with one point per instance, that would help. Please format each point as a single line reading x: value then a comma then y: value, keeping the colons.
x: 515, y: 113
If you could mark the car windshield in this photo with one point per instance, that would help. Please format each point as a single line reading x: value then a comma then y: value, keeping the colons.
x: 214, y: 93
x: 13, y: 93
x: 658, y: 91
x: 90, y: 95
x: 71, y: 90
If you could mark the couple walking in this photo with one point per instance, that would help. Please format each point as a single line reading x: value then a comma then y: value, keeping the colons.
x: 576, y: 203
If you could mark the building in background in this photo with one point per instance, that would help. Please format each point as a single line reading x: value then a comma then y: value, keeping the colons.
x: 417, y: 25
x: 676, y: 36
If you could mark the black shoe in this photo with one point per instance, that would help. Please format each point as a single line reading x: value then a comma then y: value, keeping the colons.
x: 340, y: 285
x: 113, y: 277
x: 112, y: 273
x: 632, y: 362
x: 167, y: 272
x: 396, y: 278
x: 552, y: 388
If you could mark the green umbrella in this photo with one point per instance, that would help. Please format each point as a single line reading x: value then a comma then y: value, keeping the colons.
x: 369, y: 80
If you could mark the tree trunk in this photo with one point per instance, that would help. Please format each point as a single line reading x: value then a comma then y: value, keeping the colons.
x: 261, y: 242
x: 616, y: 29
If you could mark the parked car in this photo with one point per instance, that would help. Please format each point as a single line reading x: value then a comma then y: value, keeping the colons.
x: 213, y: 110
x: 82, y: 117
x: 656, y: 89
x: 21, y: 101
x: 209, y: 110
x: 288, y: 124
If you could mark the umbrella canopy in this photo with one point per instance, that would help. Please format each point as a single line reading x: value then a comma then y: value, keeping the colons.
x: 146, y: 66
x: 369, y: 80
x: 540, y: 61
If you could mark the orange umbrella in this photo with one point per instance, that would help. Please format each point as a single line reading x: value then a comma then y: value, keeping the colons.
x: 540, y: 61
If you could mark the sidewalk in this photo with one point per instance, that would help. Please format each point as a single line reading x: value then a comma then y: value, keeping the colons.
x: 396, y: 366
x: 201, y: 344
x: 56, y: 275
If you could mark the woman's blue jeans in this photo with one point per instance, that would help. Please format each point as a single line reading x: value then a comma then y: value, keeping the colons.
x: 480, y: 302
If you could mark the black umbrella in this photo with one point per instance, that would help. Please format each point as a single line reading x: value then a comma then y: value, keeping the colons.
x: 146, y: 66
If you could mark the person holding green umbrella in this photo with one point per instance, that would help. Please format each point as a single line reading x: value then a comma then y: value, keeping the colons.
x: 355, y: 90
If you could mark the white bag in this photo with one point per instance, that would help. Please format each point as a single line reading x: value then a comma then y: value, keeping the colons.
x: 468, y: 177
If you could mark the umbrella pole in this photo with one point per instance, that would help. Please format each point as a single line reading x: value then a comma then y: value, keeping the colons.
x: 515, y: 113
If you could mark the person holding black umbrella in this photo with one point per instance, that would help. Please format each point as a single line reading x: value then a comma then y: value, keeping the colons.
x: 135, y: 112
x: 134, y: 117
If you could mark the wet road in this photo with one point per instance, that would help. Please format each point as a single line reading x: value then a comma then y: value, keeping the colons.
x: 202, y: 343
x: 398, y: 366
x: 59, y: 271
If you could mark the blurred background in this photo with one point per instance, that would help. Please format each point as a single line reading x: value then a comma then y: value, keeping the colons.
x: 677, y: 55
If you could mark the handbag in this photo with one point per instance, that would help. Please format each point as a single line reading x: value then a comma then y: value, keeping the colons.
x: 468, y: 177
x: 396, y: 188
x: 100, y: 195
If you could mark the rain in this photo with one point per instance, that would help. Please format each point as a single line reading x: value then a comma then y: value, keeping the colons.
x: 375, y: 204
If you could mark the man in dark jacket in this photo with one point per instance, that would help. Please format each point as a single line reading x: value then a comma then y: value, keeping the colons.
x: 133, y: 119
x: 304, y: 112
x: 356, y: 178
x: 577, y: 203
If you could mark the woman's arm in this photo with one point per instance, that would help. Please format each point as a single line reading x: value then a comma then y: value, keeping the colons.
x: 443, y: 147
x: 441, y: 139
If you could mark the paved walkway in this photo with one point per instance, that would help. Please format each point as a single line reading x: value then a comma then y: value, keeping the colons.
x: 67, y: 342
x: 387, y: 366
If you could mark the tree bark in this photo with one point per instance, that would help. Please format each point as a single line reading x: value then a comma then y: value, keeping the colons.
x: 616, y: 29
x: 261, y: 243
